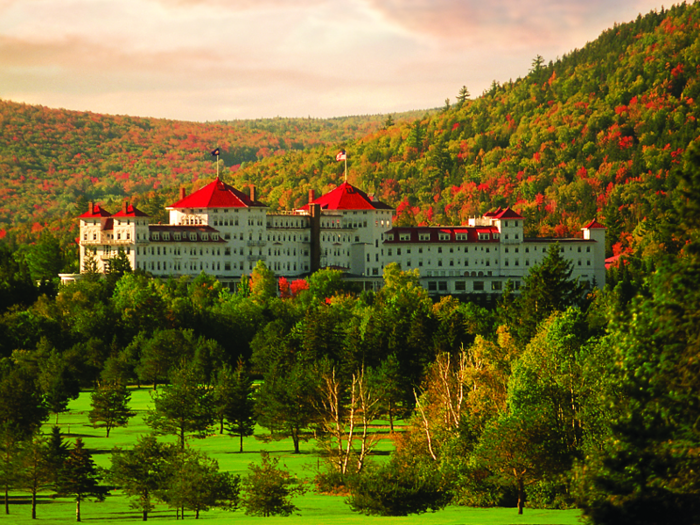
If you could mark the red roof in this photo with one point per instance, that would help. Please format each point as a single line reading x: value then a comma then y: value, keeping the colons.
x: 129, y: 211
x: 594, y: 225
x: 97, y: 212
x: 508, y: 213
x: 348, y: 197
x: 217, y: 194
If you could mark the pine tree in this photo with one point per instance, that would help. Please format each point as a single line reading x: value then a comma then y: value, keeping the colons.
x: 110, y: 407
x: 80, y: 478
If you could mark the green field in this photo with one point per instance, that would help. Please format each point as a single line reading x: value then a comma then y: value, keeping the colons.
x: 315, y: 509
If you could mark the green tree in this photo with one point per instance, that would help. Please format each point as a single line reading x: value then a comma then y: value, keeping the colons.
x: 647, y: 472
x: 10, y: 467
x: 79, y: 478
x: 58, y: 380
x: 142, y: 472
x: 23, y: 408
x: 517, y: 450
x: 57, y: 453
x: 398, y: 489
x: 239, y: 405
x: 547, y: 288
x: 268, y: 489
x: 286, y: 402
x: 263, y: 285
x: 36, y: 474
x: 195, y: 483
x: 184, y: 407
x: 110, y: 406
x: 462, y: 96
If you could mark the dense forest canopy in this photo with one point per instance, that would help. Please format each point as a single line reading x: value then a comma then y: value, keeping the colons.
x: 600, y: 132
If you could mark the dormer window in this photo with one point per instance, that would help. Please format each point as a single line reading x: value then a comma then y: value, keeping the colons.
x: 176, y: 236
x: 205, y: 236
x: 444, y: 236
x: 390, y: 237
x: 166, y: 236
x: 214, y: 236
x: 423, y: 236
x: 155, y: 236
x: 404, y: 236
x: 193, y: 236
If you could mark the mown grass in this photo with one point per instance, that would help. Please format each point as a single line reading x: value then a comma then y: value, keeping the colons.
x: 314, y: 509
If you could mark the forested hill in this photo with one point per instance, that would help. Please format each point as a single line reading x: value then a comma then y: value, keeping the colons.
x: 53, y: 161
x: 601, y: 132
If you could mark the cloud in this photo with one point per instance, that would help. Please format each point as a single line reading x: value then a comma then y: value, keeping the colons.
x: 512, y: 23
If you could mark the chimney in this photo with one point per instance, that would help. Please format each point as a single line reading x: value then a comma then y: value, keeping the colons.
x: 312, y: 196
x: 91, y: 207
x: 252, y: 192
x: 183, y: 194
x: 125, y: 206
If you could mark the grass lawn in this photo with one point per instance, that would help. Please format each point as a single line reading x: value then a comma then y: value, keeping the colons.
x: 315, y: 509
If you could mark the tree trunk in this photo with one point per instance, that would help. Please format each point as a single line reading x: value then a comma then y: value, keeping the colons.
x: 77, y: 509
x: 521, y: 495
x: 107, y: 432
x: 221, y: 425
x: 241, y: 449
x: 144, y: 515
x: 34, y: 504
x: 7, y: 499
x: 391, y: 417
x: 295, y: 440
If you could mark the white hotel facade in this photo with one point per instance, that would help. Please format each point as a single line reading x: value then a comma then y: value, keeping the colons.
x: 225, y: 232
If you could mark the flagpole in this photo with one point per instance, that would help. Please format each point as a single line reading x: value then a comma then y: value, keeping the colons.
x: 217, y: 164
x: 346, y: 166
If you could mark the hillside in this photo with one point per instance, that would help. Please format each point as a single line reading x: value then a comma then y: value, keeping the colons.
x: 600, y: 132
x: 53, y: 161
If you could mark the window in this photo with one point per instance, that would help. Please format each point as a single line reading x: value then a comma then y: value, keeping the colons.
x: 442, y: 286
x: 460, y: 286
x: 390, y: 237
x: 432, y: 286
x: 478, y: 286
x: 176, y: 236
x: 496, y: 286
x: 404, y: 236
x: 166, y: 236
x: 193, y: 236
x: 484, y: 236
x: 462, y: 236
x: 423, y: 236
x: 155, y: 236
x: 444, y: 236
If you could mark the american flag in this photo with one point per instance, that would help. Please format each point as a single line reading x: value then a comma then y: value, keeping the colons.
x: 341, y: 155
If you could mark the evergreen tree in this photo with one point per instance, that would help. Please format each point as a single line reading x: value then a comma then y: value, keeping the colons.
x: 268, y: 489
x: 239, y: 408
x: 79, y: 478
x: 110, y: 406
x: 143, y: 472
x: 547, y: 288
x: 462, y: 96
x: 36, y: 473
x: 184, y: 407
x: 646, y: 473
x: 195, y: 483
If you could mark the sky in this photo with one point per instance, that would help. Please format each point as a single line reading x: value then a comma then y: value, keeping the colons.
x: 207, y: 60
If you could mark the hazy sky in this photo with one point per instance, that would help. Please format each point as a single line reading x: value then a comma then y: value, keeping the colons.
x: 228, y: 59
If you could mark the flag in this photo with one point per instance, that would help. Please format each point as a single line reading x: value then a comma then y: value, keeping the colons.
x: 215, y: 152
x: 341, y: 155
